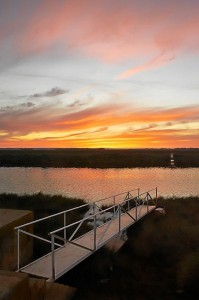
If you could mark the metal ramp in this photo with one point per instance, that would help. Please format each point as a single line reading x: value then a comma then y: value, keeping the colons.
x: 107, y: 223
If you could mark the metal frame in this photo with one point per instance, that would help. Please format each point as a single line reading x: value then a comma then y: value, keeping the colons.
x: 125, y: 206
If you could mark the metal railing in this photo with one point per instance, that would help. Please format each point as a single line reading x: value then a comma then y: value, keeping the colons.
x: 96, y: 215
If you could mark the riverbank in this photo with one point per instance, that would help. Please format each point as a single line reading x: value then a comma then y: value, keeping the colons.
x: 98, y: 158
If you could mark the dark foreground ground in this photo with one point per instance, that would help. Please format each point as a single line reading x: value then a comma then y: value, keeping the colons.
x: 160, y: 260
x: 98, y: 158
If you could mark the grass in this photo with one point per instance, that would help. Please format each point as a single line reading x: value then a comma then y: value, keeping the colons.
x: 40, y: 203
x: 44, y: 205
x: 160, y: 260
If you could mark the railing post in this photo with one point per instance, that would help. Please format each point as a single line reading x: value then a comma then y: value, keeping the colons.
x: 18, y: 249
x: 53, y: 255
x: 114, y: 204
x: 119, y: 218
x: 138, y: 198
x: 136, y: 210
x: 156, y: 196
x: 94, y: 208
x: 128, y: 201
x: 147, y: 202
x: 95, y: 233
x: 64, y: 227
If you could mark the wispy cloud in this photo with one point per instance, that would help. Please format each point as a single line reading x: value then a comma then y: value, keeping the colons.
x: 79, y: 102
x: 108, y: 30
x: 17, y: 106
x: 51, y: 122
x: 154, y: 63
x: 56, y: 91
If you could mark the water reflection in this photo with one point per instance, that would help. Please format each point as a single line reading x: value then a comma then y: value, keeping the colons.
x: 93, y: 184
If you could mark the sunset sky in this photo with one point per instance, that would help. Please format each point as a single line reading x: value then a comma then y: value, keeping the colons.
x: 99, y: 73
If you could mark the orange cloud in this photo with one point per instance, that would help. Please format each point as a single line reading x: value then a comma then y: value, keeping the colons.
x: 48, y: 125
x: 164, y: 138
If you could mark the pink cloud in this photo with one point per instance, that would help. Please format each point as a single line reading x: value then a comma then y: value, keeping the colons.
x: 157, y: 62
x: 113, y: 33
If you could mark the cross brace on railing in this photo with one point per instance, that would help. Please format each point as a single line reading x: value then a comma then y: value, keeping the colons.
x: 116, y: 211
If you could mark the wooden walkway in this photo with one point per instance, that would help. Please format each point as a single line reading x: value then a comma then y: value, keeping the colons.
x: 69, y: 255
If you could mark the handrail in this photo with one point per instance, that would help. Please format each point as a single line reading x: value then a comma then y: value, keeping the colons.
x: 71, y: 209
x: 89, y: 217
x: 84, y: 219
x: 98, y: 213
x: 38, y: 237
x: 51, y: 216
x: 116, y: 210
x: 116, y: 195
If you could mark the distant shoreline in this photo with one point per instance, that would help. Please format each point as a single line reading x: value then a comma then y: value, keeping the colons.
x: 99, y: 158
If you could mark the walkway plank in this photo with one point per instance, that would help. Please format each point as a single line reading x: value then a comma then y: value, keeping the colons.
x: 70, y: 255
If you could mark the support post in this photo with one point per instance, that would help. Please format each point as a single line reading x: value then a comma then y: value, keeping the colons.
x: 114, y: 204
x: 156, y: 196
x: 147, y: 202
x: 94, y: 210
x: 128, y: 201
x: 18, y: 249
x: 138, y: 198
x: 136, y: 210
x: 65, y: 228
x: 53, y: 255
x: 119, y: 218
x: 95, y: 233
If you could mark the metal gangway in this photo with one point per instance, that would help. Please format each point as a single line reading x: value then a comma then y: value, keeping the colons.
x: 105, y: 219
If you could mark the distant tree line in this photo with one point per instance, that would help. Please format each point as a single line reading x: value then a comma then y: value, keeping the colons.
x: 98, y: 158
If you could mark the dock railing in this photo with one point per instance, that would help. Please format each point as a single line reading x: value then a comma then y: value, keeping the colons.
x: 98, y: 213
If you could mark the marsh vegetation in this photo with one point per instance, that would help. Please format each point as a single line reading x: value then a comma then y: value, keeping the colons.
x: 160, y: 260
x: 44, y: 206
x: 98, y: 158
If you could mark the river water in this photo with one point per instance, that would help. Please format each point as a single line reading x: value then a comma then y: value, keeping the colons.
x: 94, y: 184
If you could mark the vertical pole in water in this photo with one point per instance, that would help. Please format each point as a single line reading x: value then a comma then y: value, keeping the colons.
x: 18, y: 250
x: 64, y: 228
x: 156, y: 196
x: 53, y: 255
